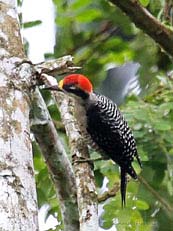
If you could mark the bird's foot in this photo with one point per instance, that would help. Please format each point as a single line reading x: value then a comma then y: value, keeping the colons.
x: 84, y: 160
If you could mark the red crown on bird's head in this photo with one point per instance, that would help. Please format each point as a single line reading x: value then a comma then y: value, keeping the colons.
x: 79, y: 80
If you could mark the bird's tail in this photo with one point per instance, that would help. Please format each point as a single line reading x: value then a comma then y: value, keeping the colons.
x: 138, y: 158
x: 130, y: 170
x: 123, y: 186
x: 124, y: 170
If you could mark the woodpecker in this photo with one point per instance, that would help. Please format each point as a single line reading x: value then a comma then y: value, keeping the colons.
x: 105, y: 125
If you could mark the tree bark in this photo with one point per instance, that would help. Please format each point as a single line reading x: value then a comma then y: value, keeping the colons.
x: 18, y: 203
x: 86, y: 191
x: 57, y: 161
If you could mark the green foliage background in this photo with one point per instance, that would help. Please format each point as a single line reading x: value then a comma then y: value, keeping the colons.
x: 96, y: 33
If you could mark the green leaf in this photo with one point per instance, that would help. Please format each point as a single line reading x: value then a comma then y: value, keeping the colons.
x: 32, y: 23
x: 54, y: 112
x: 38, y: 163
x: 141, y: 114
x: 162, y: 125
x: 166, y: 106
x: 98, y: 177
x: 142, y: 205
x: 144, y: 2
x: 88, y: 15
x: 41, y: 197
x: 76, y: 5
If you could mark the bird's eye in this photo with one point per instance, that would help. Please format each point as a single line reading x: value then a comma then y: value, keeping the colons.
x: 72, y: 87
x: 69, y: 87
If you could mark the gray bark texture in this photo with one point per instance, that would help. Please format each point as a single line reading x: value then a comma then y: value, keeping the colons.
x: 18, y: 203
x: 57, y: 161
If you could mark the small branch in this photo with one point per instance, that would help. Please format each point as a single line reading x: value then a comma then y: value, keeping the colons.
x: 57, y: 66
x: 57, y: 162
x: 147, y: 22
x: 162, y: 201
x: 86, y: 191
x: 105, y: 32
x: 110, y: 193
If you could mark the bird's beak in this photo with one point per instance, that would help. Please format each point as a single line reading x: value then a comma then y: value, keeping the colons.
x: 58, y: 87
x: 52, y: 88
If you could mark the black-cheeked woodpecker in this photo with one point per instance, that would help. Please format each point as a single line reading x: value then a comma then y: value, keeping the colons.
x: 105, y: 125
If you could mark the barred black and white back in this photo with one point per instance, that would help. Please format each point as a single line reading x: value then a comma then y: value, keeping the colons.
x: 109, y: 130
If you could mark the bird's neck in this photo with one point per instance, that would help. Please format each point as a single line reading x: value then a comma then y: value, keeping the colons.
x: 84, y: 98
x: 81, y: 94
x: 91, y: 100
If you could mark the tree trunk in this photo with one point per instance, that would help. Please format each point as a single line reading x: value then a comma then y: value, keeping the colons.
x: 18, y: 204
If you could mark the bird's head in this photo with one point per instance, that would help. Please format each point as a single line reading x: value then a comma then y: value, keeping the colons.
x: 76, y: 84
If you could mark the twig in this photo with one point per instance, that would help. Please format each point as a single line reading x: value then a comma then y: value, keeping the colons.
x: 162, y: 201
x: 110, y: 193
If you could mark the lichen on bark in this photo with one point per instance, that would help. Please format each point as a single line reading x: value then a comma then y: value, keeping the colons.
x: 18, y: 203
